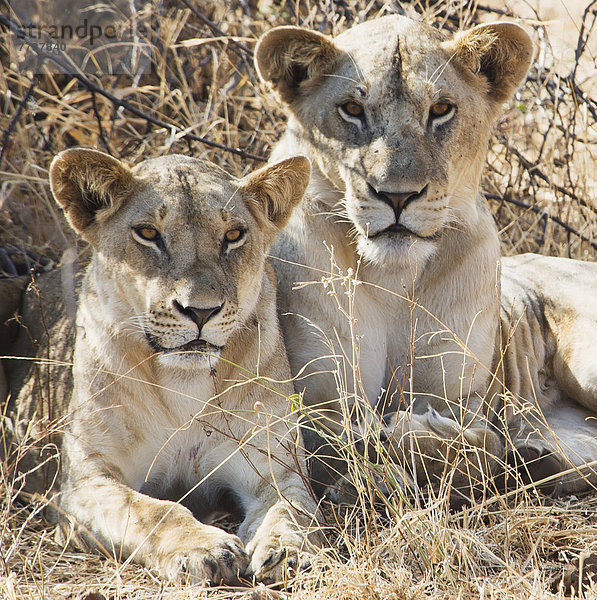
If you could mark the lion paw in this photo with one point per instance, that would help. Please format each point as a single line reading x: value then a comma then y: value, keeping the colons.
x: 214, y: 559
x: 277, y: 559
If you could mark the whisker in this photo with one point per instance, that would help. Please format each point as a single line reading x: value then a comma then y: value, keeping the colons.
x: 357, y: 69
x: 231, y: 197
x: 340, y: 77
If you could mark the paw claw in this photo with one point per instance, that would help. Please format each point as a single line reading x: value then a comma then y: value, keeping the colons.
x: 272, y: 560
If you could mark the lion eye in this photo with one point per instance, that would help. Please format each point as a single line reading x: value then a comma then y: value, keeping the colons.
x: 234, y: 235
x: 147, y: 233
x: 440, y: 109
x: 354, y: 109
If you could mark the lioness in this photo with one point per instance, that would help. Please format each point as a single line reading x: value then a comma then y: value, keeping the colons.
x: 402, y: 311
x: 179, y: 407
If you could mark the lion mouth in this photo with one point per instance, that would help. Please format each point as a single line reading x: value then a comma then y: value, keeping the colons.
x: 392, y: 229
x: 396, y: 229
x: 198, y: 345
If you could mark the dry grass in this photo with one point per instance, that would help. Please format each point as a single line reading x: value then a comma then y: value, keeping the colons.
x: 540, y: 182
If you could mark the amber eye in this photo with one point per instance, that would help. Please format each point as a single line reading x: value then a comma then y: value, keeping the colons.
x: 354, y: 109
x: 440, y: 109
x: 148, y: 233
x: 234, y: 235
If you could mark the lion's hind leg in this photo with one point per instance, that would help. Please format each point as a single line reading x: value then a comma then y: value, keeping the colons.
x: 575, y: 359
x: 434, y: 447
x: 571, y: 426
x: 557, y: 451
x: 562, y: 294
x: 551, y: 363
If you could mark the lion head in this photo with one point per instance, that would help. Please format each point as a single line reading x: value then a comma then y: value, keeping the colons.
x: 179, y: 245
x: 396, y: 115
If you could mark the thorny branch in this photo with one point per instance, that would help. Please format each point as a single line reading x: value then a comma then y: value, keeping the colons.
x: 102, y: 133
x: 583, y: 36
x: 534, y: 171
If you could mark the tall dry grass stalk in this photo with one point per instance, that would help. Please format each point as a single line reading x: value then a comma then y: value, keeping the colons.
x: 540, y: 182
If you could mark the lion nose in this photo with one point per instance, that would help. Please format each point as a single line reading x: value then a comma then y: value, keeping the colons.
x: 398, y: 201
x: 199, y: 316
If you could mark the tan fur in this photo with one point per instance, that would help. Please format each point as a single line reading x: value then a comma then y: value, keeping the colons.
x: 179, y: 411
x: 394, y: 199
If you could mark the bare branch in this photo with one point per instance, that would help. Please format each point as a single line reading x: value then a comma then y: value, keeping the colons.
x: 64, y: 63
x: 543, y: 213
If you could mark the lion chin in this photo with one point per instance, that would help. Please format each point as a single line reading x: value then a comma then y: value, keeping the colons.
x: 400, y: 248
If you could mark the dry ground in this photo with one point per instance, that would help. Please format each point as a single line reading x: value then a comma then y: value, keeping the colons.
x: 541, y: 184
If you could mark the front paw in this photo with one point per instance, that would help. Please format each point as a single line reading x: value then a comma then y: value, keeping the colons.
x: 209, y: 557
x: 277, y: 558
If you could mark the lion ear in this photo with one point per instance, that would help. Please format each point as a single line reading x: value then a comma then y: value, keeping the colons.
x: 89, y: 186
x: 272, y: 192
x: 502, y: 52
x: 287, y: 57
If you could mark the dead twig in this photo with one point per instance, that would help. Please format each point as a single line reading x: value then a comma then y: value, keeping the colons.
x: 543, y: 213
x: 235, y: 46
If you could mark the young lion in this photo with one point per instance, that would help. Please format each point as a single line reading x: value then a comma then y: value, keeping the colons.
x: 179, y: 409
x: 396, y: 118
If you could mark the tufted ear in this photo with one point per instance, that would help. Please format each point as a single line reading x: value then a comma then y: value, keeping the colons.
x: 502, y: 52
x: 291, y: 57
x: 274, y: 190
x: 89, y: 186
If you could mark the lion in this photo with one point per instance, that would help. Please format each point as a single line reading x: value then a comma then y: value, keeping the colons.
x: 390, y: 270
x: 179, y: 411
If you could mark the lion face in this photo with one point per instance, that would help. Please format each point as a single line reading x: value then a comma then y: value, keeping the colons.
x: 179, y: 246
x: 397, y: 116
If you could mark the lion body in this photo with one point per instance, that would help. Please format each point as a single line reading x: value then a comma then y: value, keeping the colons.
x: 179, y: 406
x: 389, y: 270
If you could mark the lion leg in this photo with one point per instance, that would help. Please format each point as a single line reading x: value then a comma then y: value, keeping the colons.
x: 280, y: 527
x: 124, y: 523
x: 280, y: 544
x: 433, y: 446
x: 553, y: 365
x: 563, y: 292
x: 428, y: 449
x: 558, y: 453
x: 575, y: 358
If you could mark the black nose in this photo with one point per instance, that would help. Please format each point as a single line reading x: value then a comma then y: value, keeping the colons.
x: 199, y: 316
x: 398, y: 201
